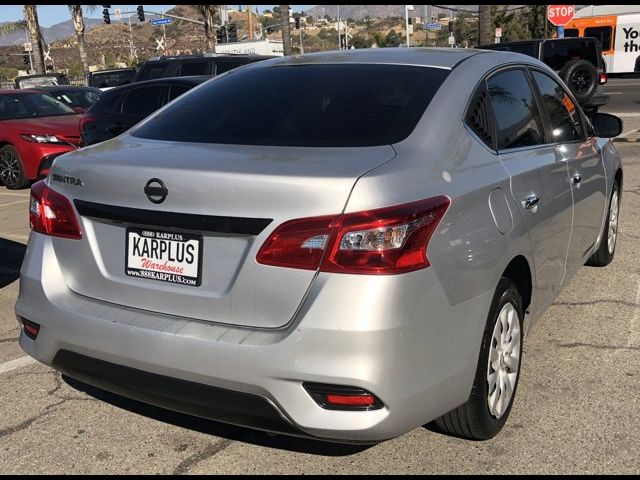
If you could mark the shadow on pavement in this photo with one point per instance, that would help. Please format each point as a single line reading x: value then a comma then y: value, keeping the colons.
x: 11, y: 255
x: 210, y: 427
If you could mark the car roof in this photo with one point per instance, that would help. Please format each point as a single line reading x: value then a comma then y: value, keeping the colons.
x: 191, y: 80
x: 447, y: 58
x: 66, y: 88
x: 20, y: 91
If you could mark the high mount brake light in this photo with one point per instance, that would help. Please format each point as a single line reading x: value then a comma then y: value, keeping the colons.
x: 51, y: 213
x: 383, y: 241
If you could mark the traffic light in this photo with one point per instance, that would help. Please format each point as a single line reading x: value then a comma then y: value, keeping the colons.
x: 25, y: 58
x: 410, y: 20
x: 450, y: 25
x: 222, y: 34
x: 233, y: 33
x: 297, y: 23
x: 105, y: 15
x: 140, y: 13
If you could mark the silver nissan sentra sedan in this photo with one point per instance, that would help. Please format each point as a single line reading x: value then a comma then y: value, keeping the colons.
x: 343, y: 245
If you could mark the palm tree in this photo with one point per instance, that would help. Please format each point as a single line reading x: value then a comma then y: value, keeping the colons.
x: 31, y: 19
x: 78, y: 24
x: 208, y: 11
x: 286, y: 29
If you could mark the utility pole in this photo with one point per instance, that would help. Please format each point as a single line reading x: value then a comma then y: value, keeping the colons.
x: 339, y: 37
x: 250, y: 26
x: 484, y: 24
x: 164, y: 35
x: 286, y: 30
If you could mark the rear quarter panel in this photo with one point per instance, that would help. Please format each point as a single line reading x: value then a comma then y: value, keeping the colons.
x: 468, y: 251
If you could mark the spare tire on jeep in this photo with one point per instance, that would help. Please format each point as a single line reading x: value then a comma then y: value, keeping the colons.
x: 582, y: 78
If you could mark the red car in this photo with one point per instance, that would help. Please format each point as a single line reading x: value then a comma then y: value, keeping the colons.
x: 35, y: 128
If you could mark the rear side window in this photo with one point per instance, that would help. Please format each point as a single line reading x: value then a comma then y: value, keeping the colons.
x: 142, y: 101
x: 572, y: 33
x: 557, y: 54
x: 225, y: 66
x: 111, y: 79
x: 152, y: 70
x: 195, y: 68
x: 107, y: 103
x: 530, y: 49
x: 302, y: 105
x: 518, y: 121
x: 603, y: 34
x: 176, y: 90
x: 566, y: 125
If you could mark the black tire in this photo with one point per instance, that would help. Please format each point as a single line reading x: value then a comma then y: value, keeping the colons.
x: 473, y: 420
x: 12, y: 173
x: 582, y: 78
x: 603, y: 256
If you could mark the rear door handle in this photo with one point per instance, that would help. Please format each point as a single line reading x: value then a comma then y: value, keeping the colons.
x: 577, y: 178
x: 531, y: 201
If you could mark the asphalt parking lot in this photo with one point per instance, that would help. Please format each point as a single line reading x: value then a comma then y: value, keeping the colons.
x: 577, y: 409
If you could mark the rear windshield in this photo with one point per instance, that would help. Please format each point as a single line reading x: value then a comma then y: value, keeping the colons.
x: 111, y: 79
x: 557, y: 54
x: 301, y: 105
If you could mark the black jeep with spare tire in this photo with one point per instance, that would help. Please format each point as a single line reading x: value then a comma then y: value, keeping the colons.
x: 578, y: 61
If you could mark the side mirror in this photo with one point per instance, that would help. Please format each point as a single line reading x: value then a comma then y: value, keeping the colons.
x: 607, y: 125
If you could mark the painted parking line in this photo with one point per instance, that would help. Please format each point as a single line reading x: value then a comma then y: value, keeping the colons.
x: 13, y: 203
x: 17, y: 363
x: 13, y: 194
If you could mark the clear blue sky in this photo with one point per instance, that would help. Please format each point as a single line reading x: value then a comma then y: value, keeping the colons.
x: 52, y: 14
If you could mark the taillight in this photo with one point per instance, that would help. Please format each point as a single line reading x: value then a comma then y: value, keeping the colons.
x: 51, y: 213
x: 603, y: 77
x: 85, y: 121
x: 383, y: 241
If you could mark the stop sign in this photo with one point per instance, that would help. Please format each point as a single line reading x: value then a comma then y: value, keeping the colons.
x: 560, y: 15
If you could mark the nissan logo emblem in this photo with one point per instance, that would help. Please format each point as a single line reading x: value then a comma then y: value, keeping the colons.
x: 156, y: 191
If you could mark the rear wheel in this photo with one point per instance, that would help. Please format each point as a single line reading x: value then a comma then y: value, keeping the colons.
x: 604, y: 255
x: 12, y: 173
x: 494, y: 388
x: 582, y: 78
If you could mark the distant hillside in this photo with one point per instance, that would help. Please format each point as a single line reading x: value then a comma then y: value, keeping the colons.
x: 359, y: 12
x: 55, y: 32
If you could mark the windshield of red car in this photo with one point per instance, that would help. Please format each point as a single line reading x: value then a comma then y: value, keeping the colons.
x: 31, y: 105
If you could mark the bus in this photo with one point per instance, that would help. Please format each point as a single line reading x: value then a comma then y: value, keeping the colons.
x: 617, y: 27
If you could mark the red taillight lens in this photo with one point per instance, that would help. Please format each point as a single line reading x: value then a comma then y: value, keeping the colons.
x: 85, y: 122
x: 351, y: 400
x: 383, y: 241
x: 31, y: 329
x: 51, y: 213
x: 297, y: 243
x: 603, y: 78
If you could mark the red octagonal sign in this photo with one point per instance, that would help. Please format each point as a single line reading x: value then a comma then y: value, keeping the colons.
x: 560, y: 15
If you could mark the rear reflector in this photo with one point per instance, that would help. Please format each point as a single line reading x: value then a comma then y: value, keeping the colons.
x: 338, y: 397
x: 51, y: 213
x: 383, y: 241
x: 31, y: 329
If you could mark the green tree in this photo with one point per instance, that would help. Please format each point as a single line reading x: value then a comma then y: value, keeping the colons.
x: 362, y: 40
x: 539, y: 26
x: 392, y: 39
x: 514, y: 26
x: 78, y: 25
x: 208, y: 12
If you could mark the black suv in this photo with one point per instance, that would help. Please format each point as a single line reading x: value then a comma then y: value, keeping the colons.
x: 578, y: 61
x: 189, y: 65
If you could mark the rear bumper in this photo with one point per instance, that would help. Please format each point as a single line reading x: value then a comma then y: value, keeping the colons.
x: 395, y: 336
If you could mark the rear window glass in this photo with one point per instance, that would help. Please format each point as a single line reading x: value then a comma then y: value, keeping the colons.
x: 557, y: 54
x: 111, y: 79
x: 301, y: 105
x: 151, y: 71
x: 195, y: 68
